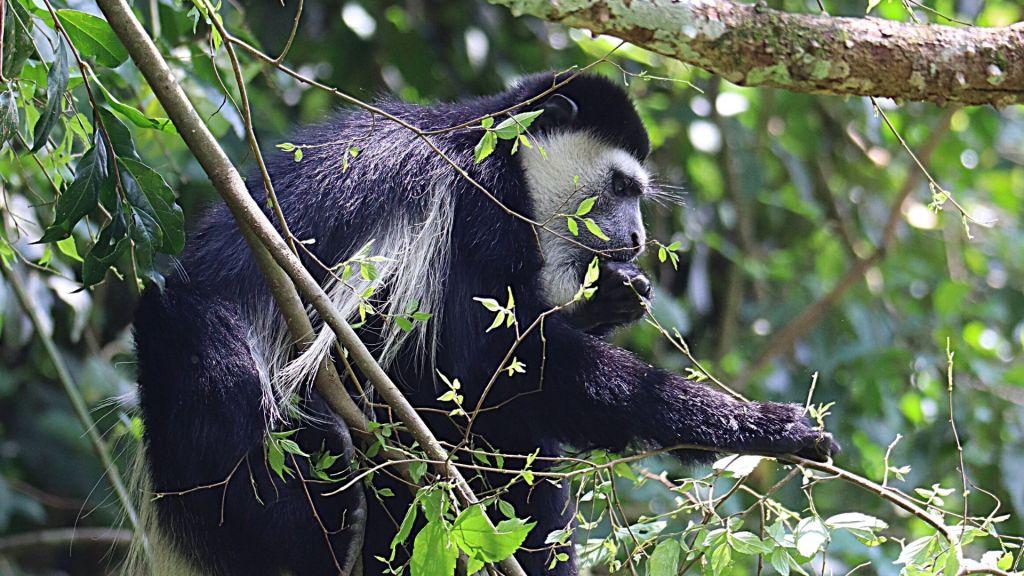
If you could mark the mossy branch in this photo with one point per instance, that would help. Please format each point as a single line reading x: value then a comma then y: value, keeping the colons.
x: 752, y: 45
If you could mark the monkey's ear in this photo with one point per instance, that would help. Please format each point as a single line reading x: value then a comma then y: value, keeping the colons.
x: 558, y: 110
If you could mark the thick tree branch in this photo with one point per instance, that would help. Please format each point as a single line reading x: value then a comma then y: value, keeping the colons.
x: 752, y: 45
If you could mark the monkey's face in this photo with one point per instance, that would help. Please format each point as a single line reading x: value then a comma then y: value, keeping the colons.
x: 588, y: 193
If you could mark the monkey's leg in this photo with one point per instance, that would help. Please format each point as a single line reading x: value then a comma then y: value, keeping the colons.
x: 205, y: 430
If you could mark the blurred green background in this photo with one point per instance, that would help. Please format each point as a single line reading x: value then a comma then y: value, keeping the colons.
x: 784, y: 194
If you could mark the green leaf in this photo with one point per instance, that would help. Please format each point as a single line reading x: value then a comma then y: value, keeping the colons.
x: 433, y: 553
x: 478, y: 539
x: 120, y: 136
x: 134, y: 115
x: 810, y: 537
x: 871, y: 5
x: 275, y: 459
x: 292, y: 447
x: 593, y: 271
x: 574, y: 227
x: 17, y: 39
x: 157, y: 201
x: 80, y: 198
x: 93, y: 37
x: 511, y: 128
x: 856, y: 521
x: 403, y: 323
x: 507, y: 509
x: 780, y: 561
x: 498, y: 319
x: 8, y: 115
x: 586, y: 206
x: 485, y: 147
x: 595, y: 229
x: 746, y: 543
x: 405, y: 528
x: 56, y: 84
x: 68, y: 248
x: 953, y: 556
x: 417, y: 470
x: 665, y: 559
x: 110, y: 245
x: 489, y: 303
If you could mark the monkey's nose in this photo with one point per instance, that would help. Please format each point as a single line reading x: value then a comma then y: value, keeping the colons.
x: 642, y: 285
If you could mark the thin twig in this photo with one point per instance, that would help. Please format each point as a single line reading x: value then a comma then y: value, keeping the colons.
x: 99, y: 446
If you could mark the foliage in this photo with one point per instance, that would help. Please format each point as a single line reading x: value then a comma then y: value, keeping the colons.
x: 784, y: 195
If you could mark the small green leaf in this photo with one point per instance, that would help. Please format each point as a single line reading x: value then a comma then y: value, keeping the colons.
x: 489, y: 303
x: 595, y: 229
x: 485, y: 147
x: 403, y: 323
x: 574, y: 227
x: 511, y: 128
x: 586, y: 206
x: 593, y: 271
x: 68, y: 248
x: 498, y: 319
x: 417, y: 470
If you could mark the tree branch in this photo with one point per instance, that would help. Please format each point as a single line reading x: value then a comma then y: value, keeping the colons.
x: 752, y: 45
x: 44, y: 541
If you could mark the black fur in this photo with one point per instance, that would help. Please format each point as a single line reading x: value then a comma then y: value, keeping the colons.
x: 199, y: 390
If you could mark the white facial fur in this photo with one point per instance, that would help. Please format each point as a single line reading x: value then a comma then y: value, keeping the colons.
x: 550, y: 180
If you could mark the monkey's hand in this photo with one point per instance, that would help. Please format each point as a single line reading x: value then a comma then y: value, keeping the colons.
x: 623, y: 293
x: 768, y: 429
x: 783, y: 429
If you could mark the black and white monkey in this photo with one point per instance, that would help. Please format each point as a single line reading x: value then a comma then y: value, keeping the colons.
x: 216, y: 371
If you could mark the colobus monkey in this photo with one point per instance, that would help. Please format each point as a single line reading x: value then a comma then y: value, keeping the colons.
x: 216, y: 371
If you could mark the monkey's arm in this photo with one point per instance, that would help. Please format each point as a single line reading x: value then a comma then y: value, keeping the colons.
x: 593, y: 394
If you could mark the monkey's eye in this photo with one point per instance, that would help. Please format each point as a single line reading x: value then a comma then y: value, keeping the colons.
x: 623, y: 185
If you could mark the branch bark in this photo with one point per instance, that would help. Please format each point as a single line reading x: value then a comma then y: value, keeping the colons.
x: 45, y: 541
x: 752, y: 45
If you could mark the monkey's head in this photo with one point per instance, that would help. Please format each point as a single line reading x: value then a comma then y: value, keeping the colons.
x: 586, y: 178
